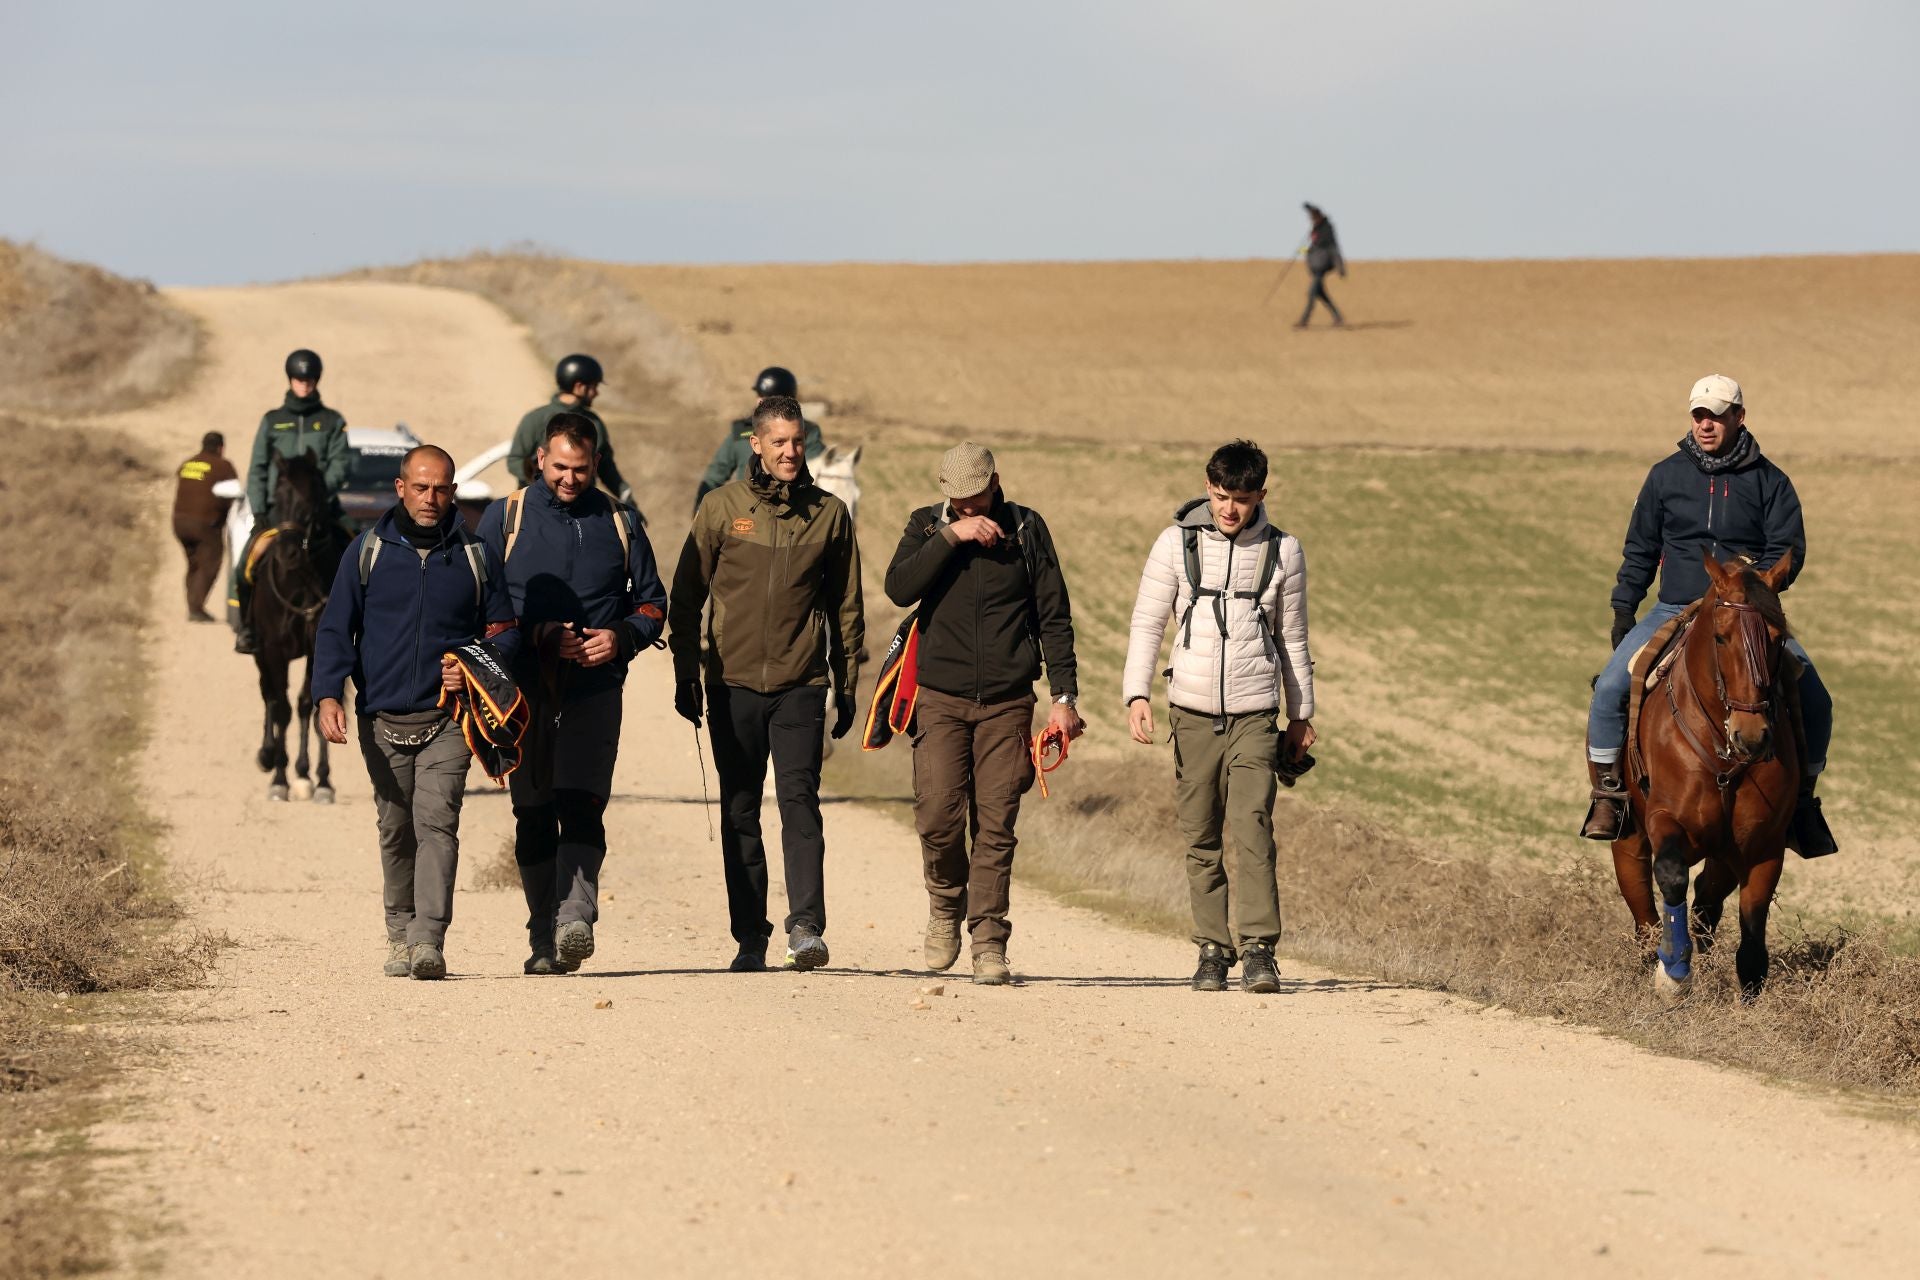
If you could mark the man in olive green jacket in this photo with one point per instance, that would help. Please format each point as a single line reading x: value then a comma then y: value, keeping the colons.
x: 777, y: 556
x: 301, y: 424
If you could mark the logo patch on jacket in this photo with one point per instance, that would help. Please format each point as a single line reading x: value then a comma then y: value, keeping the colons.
x: 743, y: 525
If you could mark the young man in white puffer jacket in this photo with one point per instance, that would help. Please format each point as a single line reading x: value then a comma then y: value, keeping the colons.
x: 1239, y: 659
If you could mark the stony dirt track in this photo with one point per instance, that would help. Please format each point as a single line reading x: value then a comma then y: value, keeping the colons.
x: 656, y: 1115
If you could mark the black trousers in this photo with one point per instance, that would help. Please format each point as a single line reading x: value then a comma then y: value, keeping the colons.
x: 1317, y: 292
x: 747, y: 728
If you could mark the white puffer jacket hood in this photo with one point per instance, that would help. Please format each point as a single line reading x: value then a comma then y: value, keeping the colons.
x: 1231, y: 654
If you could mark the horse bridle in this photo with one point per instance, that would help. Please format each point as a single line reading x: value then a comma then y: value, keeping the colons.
x: 306, y: 612
x: 1757, y: 648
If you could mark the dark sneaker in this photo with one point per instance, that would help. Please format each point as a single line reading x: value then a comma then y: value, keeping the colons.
x: 943, y: 942
x: 1212, y: 973
x: 1258, y: 973
x: 751, y: 958
x: 572, y: 943
x: 243, y: 641
x: 990, y: 969
x: 806, y: 949
x: 399, y: 960
x: 428, y: 962
x: 540, y: 963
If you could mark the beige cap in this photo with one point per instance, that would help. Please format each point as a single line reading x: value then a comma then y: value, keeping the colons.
x: 966, y: 469
x: 1715, y: 393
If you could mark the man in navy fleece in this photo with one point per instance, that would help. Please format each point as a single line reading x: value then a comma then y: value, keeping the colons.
x: 429, y: 587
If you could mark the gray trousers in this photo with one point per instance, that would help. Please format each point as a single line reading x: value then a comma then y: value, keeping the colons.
x: 417, y: 792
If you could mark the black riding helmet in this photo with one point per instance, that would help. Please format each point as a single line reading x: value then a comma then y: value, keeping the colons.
x: 304, y: 365
x: 578, y: 368
x: 775, y: 381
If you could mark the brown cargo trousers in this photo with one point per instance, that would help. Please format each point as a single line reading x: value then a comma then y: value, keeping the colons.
x: 1224, y: 784
x: 971, y: 764
x: 206, y: 556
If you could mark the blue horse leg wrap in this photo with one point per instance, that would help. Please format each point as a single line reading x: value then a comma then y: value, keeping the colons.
x: 1676, y: 944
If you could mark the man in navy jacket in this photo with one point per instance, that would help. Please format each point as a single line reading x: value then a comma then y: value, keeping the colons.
x: 1718, y: 493
x: 424, y: 595
x: 588, y: 597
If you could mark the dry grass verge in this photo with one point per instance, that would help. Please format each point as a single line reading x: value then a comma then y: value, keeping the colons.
x: 1840, y: 1008
x: 75, y: 337
x: 79, y: 914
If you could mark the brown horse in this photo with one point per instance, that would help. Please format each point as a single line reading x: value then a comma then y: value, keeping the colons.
x: 1713, y: 780
x: 292, y: 577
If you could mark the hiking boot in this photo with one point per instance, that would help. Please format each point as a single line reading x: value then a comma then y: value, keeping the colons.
x: 751, y: 958
x: 990, y: 968
x: 541, y: 964
x: 1608, y: 817
x: 428, y: 962
x: 1807, y: 831
x: 399, y: 960
x: 1258, y: 973
x: 943, y: 942
x: 572, y: 943
x: 806, y: 949
x: 1212, y: 973
x: 244, y: 640
x: 199, y: 615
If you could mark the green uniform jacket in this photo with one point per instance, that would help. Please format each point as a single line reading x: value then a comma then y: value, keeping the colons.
x: 532, y: 433
x: 292, y: 429
x: 783, y: 570
x: 734, y: 458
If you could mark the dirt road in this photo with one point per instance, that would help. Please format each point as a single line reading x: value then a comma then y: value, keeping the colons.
x: 655, y: 1115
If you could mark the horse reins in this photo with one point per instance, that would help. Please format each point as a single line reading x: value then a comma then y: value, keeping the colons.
x: 307, y: 612
x: 1757, y: 649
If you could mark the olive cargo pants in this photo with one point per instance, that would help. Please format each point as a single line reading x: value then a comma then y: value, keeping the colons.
x: 1224, y: 787
x: 971, y: 764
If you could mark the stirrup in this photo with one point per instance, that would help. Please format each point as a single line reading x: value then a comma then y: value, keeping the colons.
x: 1807, y: 831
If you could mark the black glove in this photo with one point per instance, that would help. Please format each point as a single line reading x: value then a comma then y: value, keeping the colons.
x: 1622, y: 623
x: 843, y: 716
x: 686, y: 700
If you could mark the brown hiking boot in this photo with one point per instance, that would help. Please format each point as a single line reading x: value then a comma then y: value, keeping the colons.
x: 990, y: 968
x: 399, y: 960
x: 1607, y: 817
x: 943, y: 942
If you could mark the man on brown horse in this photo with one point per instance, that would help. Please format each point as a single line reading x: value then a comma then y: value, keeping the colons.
x: 1715, y: 493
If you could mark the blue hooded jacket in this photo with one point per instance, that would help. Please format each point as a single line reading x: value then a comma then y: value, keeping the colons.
x: 567, y: 567
x: 1749, y: 509
x: 389, y: 635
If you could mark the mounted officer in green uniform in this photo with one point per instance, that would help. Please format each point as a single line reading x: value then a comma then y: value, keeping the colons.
x: 301, y: 424
x: 733, y: 460
x: 579, y: 378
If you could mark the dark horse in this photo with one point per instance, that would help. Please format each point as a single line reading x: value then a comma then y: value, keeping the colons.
x: 291, y: 578
x: 1712, y: 779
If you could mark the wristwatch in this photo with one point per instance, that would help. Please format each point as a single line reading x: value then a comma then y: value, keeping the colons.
x: 1066, y: 700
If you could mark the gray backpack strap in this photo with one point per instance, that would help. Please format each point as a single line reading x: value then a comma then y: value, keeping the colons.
x: 1190, y: 552
x: 477, y: 561
x: 369, y: 552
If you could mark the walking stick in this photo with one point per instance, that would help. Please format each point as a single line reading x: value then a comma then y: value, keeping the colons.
x: 706, y: 800
x: 1283, y: 275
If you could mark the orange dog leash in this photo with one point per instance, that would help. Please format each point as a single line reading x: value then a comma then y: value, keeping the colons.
x: 1052, y: 738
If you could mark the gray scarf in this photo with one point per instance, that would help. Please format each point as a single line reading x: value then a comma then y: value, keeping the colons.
x: 1744, y: 450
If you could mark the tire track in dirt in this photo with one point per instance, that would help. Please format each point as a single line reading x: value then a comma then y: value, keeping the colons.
x: 311, y: 1117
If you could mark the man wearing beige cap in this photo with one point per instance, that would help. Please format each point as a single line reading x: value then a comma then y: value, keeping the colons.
x: 1716, y: 493
x: 993, y: 611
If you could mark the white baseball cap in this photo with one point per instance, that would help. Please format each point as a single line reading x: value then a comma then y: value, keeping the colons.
x: 1716, y: 393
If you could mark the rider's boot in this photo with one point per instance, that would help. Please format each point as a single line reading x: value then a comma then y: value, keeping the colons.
x: 1607, y: 817
x: 1807, y: 832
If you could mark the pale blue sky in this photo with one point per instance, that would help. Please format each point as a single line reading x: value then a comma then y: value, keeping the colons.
x: 223, y: 141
